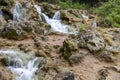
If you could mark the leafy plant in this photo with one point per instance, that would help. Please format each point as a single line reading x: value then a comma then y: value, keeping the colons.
x: 109, y: 13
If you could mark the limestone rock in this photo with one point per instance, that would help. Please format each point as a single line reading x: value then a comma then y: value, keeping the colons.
x: 12, y: 31
x: 91, y: 39
x: 68, y: 47
x: 2, y: 21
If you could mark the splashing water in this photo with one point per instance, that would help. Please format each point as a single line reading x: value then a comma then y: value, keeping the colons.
x: 17, y: 65
x: 85, y: 17
x: 38, y: 8
x: 57, y: 16
x: 55, y: 22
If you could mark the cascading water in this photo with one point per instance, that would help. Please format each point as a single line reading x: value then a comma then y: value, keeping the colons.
x: 94, y: 24
x: 57, y: 16
x: 55, y: 22
x: 18, y: 12
x: 23, y: 65
x: 85, y: 17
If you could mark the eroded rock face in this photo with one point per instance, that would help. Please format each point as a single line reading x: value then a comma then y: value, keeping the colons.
x: 68, y: 47
x: 91, y: 39
x: 21, y: 30
x: 13, y: 31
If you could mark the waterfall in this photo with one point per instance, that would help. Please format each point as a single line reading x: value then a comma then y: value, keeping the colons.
x: 25, y: 70
x: 57, y: 16
x: 18, y: 12
x: 55, y: 22
x: 38, y: 8
x: 85, y: 17
x: 94, y: 24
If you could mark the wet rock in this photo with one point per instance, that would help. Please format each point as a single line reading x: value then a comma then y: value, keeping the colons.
x: 65, y: 76
x: 5, y: 74
x: 49, y: 9
x: 41, y: 61
x: 68, y: 47
x: 91, y: 39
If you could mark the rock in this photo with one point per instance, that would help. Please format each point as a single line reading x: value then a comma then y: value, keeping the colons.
x: 2, y: 21
x: 65, y: 76
x: 103, y: 74
x: 112, y: 39
x: 41, y: 61
x: 76, y: 58
x: 21, y: 30
x: 68, y: 47
x: 40, y: 53
x: 5, y: 74
x: 106, y: 56
x: 91, y: 39
x: 13, y: 31
x: 6, y: 2
x: 49, y: 9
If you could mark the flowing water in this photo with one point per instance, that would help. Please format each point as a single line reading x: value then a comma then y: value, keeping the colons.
x: 55, y: 22
x: 19, y: 13
x: 22, y: 64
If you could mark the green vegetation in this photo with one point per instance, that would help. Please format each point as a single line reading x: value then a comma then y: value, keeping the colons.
x: 107, y: 10
x: 75, y: 5
x: 83, y: 26
x: 109, y: 13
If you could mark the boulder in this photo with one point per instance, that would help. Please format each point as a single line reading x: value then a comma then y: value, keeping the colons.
x: 91, y: 39
x: 68, y: 47
x: 23, y: 29
x: 65, y: 76
x: 2, y: 21
x: 13, y: 31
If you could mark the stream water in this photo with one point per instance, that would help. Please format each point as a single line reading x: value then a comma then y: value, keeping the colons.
x: 21, y: 64
x: 55, y: 22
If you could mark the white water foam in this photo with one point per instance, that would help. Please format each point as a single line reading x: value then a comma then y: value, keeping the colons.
x: 55, y: 22
x: 19, y: 13
x: 18, y: 66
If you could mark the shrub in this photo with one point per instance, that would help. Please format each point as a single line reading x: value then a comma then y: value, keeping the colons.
x: 109, y: 13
